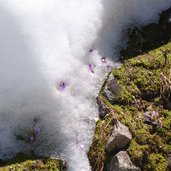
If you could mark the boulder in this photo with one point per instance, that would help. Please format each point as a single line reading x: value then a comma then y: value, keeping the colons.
x: 121, y: 162
x: 119, y: 138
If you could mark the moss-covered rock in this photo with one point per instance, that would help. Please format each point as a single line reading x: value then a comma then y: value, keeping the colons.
x: 23, y: 162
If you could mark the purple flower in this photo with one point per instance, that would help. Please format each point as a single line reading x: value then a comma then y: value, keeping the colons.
x: 62, y: 85
x: 155, y: 113
x: 91, y: 67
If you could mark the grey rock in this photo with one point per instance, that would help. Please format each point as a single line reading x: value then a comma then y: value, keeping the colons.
x: 108, y: 94
x: 120, y: 137
x: 102, y: 108
x: 111, y: 88
x: 122, y: 162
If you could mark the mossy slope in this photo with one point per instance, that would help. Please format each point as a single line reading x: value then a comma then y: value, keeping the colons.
x: 142, y: 102
x: 24, y: 162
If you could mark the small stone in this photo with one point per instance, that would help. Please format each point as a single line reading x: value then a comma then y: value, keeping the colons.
x: 121, y: 162
x: 120, y: 137
x: 109, y: 95
x: 102, y: 108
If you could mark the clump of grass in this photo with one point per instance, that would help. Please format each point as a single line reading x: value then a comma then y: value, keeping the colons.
x: 97, y: 153
x: 165, y: 87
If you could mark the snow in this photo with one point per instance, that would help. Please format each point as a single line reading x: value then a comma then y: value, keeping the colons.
x: 46, y: 43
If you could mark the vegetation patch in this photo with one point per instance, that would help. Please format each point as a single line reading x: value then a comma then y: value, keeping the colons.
x: 23, y: 162
x: 141, y: 100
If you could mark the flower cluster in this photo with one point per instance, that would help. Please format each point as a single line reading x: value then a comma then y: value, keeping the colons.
x: 152, y: 117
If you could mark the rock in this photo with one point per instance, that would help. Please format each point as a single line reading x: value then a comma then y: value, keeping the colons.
x: 102, y: 108
x: 121, y: 162
x: 111, y: 88
x: 120, y: 137
x: 109, y: 95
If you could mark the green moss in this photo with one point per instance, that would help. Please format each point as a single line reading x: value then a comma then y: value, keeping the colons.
x: 157, y: 162
x: 97, y: 153
x: 25, y: 162
x: 138, y: 153
x: 118, y: 109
